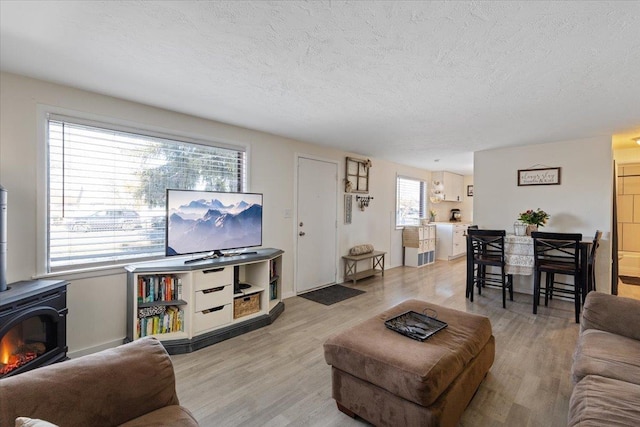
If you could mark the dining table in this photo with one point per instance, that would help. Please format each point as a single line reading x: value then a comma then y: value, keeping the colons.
x: 520, y: 261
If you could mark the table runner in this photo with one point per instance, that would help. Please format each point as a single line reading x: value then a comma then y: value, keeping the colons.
x: 518, y: 252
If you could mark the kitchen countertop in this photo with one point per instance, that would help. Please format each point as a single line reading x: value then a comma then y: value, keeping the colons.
x: 451, y: 222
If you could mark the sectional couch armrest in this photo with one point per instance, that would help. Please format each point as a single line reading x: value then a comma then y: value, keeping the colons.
x: 618, y: 315
x: 110, y: 387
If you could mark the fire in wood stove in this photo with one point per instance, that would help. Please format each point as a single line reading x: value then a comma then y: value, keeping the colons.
x: 21, y: 345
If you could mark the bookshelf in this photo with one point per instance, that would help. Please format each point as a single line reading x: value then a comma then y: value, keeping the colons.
x: 419, y: 245
x: 275, y: 285
x: 191, y: 306
x: 159, y: 305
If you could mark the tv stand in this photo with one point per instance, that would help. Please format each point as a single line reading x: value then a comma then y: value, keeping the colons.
x: 189, y: 305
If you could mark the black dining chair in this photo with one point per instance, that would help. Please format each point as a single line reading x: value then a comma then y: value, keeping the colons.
x: 471, y: 268
x: 591, y: 264
x: 556, y: 253
x: 485, y: 248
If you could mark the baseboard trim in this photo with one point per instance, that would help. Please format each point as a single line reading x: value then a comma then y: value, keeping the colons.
x: 94, y: 349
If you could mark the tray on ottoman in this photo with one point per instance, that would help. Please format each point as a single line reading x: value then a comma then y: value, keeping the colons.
x: 415, y: 325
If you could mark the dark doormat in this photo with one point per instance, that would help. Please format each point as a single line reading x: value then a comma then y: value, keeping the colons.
x: 331, y: 294
x: 630, y: 280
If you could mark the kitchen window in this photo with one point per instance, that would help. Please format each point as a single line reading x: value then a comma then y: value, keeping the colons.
x: 411, y: 203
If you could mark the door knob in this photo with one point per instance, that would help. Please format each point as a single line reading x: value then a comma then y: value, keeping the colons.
x: 302, y: 233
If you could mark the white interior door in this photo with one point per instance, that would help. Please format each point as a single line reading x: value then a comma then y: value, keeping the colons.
x: 316, y: 232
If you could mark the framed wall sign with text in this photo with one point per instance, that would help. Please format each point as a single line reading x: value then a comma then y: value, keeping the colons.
x: 543, y: 176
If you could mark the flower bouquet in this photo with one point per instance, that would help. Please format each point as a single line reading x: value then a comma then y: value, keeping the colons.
x: 538, y: 217
x: 533, y: 219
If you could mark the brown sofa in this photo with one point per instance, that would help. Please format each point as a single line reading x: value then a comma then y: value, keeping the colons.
x: 131, y: 385
x: 606, y: 363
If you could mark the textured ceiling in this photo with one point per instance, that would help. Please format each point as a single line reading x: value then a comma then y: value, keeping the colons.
x: 410, y: 82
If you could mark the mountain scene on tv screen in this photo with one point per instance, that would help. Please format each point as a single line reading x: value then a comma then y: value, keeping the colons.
x: 203, y: 226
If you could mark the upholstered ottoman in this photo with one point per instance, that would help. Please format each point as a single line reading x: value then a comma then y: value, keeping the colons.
x: 391, y: 380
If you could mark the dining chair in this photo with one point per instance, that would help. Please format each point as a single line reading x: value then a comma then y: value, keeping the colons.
x: 556, y: 253
x: 591, y: 264
x: 471, y: 268
x: 486, y: 248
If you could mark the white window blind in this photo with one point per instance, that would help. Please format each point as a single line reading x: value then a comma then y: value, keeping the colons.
x: 410, y: 201
x: 107, y: 189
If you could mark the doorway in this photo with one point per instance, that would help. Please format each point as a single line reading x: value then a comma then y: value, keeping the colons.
x: 316, y: 224
x: 628, y: 230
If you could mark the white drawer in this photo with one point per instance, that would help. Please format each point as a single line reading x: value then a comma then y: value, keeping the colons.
x: 214, y: 297
x: 459, y: 228
x: 213, y: 277
x: 428, y: 231
x: 209, y: 319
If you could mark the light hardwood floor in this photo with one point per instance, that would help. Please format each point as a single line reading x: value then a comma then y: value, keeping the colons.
x: 277, y: 376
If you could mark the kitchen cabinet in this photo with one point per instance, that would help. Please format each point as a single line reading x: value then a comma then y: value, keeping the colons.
x: 452, y: 240
x: 452, y: 185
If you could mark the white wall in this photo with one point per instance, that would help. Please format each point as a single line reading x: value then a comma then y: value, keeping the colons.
x: 582, y: 203
x: 97, y: 300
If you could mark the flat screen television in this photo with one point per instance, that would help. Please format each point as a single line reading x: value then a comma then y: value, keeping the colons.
x: 212, y: 221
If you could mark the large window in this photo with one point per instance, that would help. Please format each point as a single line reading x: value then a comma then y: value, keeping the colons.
x: 107, y: 188
x: 411, y: 204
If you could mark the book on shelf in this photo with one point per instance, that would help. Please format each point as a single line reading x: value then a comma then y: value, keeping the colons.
x: 159, y: 320
x: 159, y: 288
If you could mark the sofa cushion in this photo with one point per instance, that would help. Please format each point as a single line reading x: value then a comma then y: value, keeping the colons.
x: 169, y: 416
x: 608, y: 355
x: 612, y: 314
x: 414, y: 370
x: 597, y: 401
x: 32, y: 422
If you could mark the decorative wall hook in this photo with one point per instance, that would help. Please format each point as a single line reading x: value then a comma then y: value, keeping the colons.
x: 363, y: 201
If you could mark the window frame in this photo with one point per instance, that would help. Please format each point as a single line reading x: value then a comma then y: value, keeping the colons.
x: 423, y: 197
x: 46, y: 113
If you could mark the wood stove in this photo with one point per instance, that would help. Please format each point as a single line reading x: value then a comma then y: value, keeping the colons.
x: 33, y: 325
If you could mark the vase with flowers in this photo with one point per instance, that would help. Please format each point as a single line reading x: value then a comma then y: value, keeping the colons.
x: 533, y: 219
